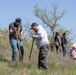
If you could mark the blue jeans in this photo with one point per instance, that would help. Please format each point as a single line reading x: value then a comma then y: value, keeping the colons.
x: 14, y: 46
x: 64, y: 50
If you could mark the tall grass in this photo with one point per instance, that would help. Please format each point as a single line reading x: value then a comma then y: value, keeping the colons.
x: 57, y: 64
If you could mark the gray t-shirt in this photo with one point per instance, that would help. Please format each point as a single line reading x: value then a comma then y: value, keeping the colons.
x: 11, y: 27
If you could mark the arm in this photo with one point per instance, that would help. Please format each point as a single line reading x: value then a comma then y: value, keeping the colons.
x: 39, y: 34
x: 62, y: 40
x: 59, y: 40
x: 11, y: 29
x: 21, y: 35
x: 66, y: 41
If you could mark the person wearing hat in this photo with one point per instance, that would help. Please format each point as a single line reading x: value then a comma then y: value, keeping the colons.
x: 42, y: 44
x: 64, y: 43
x: 15, y: 27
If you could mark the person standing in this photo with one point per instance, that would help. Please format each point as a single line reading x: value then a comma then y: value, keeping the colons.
x: 57, y: 41
x: 64, y: 43
x: 16, y: 38
x: 42, y: 44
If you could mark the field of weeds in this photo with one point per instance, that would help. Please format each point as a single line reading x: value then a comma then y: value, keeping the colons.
x: 57, y: 64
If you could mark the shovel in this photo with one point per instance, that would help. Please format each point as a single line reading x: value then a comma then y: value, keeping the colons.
x: 17, y: 33
x: 29, y: 60
x: 31, y: 49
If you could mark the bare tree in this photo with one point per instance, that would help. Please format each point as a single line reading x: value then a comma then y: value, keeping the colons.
x: 50, y: 18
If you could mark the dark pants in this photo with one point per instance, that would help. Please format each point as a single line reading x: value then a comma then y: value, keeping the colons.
x: 57, y: 48
x: 64, y: 50
x: 42, y: 59
x: 14, y: 45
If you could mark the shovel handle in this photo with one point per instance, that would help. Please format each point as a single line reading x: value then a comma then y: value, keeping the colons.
x: 17, y: 33
x: 31, y: 49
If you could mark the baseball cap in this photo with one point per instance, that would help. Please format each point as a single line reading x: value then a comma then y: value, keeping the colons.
x: 33, y: 24
x: 18, y: 20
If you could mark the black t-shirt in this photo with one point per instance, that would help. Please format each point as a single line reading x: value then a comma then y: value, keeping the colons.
x: 11, y: 27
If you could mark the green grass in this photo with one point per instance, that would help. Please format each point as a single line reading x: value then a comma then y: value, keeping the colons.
x: 57, y: 64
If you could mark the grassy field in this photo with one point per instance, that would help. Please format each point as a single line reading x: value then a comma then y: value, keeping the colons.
x: 57, y: 64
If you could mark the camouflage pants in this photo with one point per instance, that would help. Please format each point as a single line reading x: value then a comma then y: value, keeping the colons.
x: 42, y: 59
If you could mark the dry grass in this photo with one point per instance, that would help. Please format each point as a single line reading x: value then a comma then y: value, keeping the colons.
x: 57, y: 64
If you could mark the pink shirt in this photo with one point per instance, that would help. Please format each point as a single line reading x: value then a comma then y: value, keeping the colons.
x: 73, y: 53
